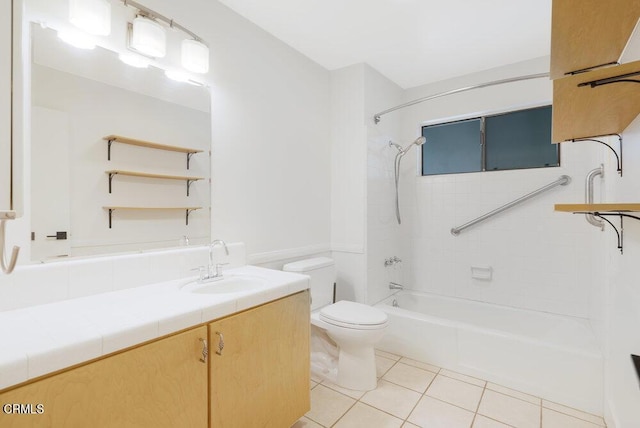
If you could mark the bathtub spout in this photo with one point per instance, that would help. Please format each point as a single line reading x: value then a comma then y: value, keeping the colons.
x: 394, y: 286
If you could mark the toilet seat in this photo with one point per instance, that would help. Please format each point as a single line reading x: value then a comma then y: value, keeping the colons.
x: 353, y: 315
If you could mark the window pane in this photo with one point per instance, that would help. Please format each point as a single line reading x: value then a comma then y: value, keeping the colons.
x: 521, y: 139
x: 452, y: 148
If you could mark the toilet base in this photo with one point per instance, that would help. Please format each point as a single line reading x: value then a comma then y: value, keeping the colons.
x: 357, y: 369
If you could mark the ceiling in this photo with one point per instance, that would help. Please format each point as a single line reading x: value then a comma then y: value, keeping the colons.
x: 411, y: 42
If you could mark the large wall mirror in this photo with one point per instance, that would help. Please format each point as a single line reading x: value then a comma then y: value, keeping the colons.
x: 83, y: 203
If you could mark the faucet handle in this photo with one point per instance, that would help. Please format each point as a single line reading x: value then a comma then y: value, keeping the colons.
x: 201, y: 272
x: 218, y: 268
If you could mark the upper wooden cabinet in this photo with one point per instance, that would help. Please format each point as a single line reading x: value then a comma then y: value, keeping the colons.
x: 590, y: 33
x: 581, y: 111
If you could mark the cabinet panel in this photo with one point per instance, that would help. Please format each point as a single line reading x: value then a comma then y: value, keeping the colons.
x: 262, y: 377
x: 5, y: 105
x: 589, y: 33
x: 161, y: 384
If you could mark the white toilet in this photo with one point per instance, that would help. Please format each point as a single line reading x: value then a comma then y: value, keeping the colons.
x: 354, y: 327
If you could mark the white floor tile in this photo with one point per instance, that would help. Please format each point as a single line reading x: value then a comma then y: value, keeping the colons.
x: 327, y: 405
x: 349, y: 392
x: 484, y: 422
x: 456, y: 392
x: 509, y: 410
x: 573, y: 412
x: 513, y: 393
x: 383, y: 365
x: 434, y: 413
x: 363, y: 416
x: 459, y: 376
x: 553, y: 419
x: 420, y: 364
x: 306, y: 423
x: 409, y: 425
x: 391, y: 398
x: 410, y: 377
x: 389, y: 355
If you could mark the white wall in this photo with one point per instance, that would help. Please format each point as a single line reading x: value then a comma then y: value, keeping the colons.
x: 383, y: 241
x: 348, y: 182
x: 622, y: 298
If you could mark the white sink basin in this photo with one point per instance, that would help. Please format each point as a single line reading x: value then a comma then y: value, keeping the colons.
x: 226, y: 285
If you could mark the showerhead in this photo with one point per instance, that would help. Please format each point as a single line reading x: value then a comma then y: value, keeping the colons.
x: 420, y: 141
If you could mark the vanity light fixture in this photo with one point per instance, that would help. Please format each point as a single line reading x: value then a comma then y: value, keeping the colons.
x: 92, y: 16
x: 195, y: 56
x: 148, y: 37
x: 76, y: 38
x: 134, y: 60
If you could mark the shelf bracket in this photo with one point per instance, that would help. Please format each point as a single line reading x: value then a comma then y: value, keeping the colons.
x: 111, y: 174
x: 189, y: 158
x: 622, y: 78
x: 187, y: 212
x: 619, y: 232
x: 111, y: 210
x: 189, y: 183
x: 109, y: 142
x: 618, y: 157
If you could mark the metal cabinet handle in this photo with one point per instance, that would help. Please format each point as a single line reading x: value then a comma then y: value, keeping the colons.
x: 205, y: 350
x: 220, y: 343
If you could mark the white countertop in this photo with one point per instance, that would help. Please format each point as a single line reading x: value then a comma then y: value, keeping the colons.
x: 42, y: 339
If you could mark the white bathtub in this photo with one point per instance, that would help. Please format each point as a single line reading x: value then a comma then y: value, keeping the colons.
x: 546, y: 355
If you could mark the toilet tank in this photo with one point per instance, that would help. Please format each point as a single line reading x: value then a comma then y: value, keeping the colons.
x: 322, y: 271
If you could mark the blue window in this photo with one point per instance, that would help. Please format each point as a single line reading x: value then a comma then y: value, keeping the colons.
x: 514, y: 140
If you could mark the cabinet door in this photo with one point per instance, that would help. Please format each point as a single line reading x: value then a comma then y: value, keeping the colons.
x: 5, y: 105
x: 261, y: 378
x: 161, y: 384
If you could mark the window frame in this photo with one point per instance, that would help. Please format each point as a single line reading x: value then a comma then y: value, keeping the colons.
x: 482, y: 115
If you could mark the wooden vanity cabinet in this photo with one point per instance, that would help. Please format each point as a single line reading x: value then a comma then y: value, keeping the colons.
x: 259, y: 365
x: 160, y: 384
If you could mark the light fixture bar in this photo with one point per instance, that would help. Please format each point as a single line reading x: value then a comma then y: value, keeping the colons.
x: 170, y: 22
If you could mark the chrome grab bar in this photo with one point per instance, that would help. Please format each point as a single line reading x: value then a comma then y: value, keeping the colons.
x: 588, y: 195
x: 562, y: 181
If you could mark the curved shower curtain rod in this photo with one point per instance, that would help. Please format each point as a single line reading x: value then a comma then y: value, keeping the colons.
x: 376, y: 117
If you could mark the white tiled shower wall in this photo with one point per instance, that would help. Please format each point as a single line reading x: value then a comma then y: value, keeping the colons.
x: 541, y: 260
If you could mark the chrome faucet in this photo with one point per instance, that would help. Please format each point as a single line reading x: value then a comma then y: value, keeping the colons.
x: 395, y: 286
x: 213, y: 270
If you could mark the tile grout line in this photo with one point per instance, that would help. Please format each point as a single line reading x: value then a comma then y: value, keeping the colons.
x: 475, y: 414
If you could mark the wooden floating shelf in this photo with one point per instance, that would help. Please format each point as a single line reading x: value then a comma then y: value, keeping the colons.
x: 582, y: 111
x: 148, y: 175
x: 589, y: 34
x: 150, y: 145
x: 188, y: 179
x: 603, y: 211
x: 602, y: 208
x: 187, y: 210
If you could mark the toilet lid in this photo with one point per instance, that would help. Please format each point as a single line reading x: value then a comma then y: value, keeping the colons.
x: 352, y: 313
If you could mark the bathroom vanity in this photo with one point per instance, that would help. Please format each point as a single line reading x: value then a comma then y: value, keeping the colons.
x: 248, y: 367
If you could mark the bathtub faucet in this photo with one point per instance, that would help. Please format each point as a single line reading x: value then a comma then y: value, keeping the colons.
x: 395, y: 286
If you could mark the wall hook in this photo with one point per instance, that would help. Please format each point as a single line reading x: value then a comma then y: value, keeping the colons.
x: 7, y: 267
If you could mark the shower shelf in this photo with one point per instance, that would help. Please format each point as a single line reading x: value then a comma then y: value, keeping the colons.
x: 602, y: 211
x: 187, y: 210
x: 188, y: 179
x: 150, y: 145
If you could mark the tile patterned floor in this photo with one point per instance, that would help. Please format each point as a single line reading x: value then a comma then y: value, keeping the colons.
x: 414, y: 394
